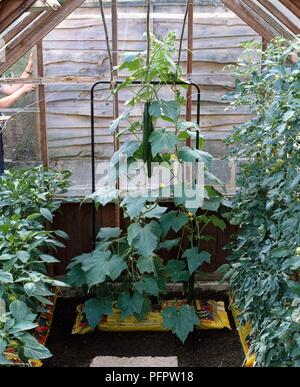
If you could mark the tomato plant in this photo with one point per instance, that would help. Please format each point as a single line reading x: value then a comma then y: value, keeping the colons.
x: 264, y: 268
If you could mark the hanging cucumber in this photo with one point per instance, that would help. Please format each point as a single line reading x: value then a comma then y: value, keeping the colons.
x: 147, y: 131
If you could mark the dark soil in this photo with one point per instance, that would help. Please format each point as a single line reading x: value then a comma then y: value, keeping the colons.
x: 215, y: 348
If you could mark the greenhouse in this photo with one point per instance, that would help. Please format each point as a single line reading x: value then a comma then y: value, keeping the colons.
x: 150, y: 186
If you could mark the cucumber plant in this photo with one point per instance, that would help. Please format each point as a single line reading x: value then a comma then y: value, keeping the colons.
x: 127, y: 270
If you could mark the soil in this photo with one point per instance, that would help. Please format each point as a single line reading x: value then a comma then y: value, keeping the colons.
x: 215, y: 348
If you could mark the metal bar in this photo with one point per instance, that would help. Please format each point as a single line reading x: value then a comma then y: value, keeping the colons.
x: 114, y: 22
x: 189, y: 69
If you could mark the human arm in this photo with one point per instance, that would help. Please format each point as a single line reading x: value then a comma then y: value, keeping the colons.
x: 11, y: 89
x: 10, y: 100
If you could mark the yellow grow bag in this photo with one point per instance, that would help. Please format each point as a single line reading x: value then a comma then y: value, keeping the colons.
x: 244, y: 332
x: 214, y: 317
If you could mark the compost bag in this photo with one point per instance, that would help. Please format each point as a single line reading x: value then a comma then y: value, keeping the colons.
x: 212, y: 316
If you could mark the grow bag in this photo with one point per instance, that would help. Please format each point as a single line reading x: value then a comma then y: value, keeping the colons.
x: 244, y: 332
x: 212, y: 316
x: 41, y: 333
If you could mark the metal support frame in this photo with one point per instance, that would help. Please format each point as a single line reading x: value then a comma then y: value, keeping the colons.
x: 93, y: 155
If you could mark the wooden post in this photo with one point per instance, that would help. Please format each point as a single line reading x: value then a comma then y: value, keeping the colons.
x: 114, y: 21
x: 42, y: 136
x: 189, y: 69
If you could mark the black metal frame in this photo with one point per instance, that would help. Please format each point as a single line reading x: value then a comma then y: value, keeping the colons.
x: 93, y: 158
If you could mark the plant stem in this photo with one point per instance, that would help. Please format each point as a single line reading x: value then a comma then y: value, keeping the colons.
x: 110, y: 58
x: 182, y: 32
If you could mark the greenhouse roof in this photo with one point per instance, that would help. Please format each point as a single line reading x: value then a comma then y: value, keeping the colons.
x: 23, y: 23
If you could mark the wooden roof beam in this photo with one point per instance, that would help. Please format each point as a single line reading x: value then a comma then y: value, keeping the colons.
x: 269, y: 19
x: 30, y: 37
x: 251, y: 18
x: 292, y: 6
x: 11, y: 10
x: 20, y: 26
x: 281, y: 16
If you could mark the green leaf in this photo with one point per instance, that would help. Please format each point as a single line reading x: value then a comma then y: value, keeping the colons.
x: 169, y: 244
x: 130, y: 304
x: 185, y: 125
x: 212, y: 204
x: 174, y: 220
x: 155, y: 212
x: 22, y: 326
x: 6, y: 278
x: 196, y: 258
x: 127, y: 149
x: 162, y: 142
x: 116, y: 123
x: 147, y: 285
x: 96, y: 308
x: 178, y: 271
x: 143, y: 238
x: 181, y: 320
x: 167, y: 110
x: 3, y: 345
x: 218, y: 222
x: 19, y: 310
x: 106, y: 233
x: 48, y: 258
x: 61, y: 234
x: 76, y: 276
x: 46, y: 213
x: 190, y: 155
x: 279, y: 253
x: 33, y: 217
x: 134, y: 205
x: 131, y: 61
x: 23, y: 256
x: 294, y: 287
x: 103, y: 196
x: 34, y: 350
x: 146, y: 265
x: 101, y: 265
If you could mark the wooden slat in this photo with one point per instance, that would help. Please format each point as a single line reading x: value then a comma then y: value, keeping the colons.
x: 280, y: 16
x: 271, y: 21
x: 46, y: 24
x: 11, y: 10
x: 20, y: 26
x: 293, y: 6
x: 251, y: 18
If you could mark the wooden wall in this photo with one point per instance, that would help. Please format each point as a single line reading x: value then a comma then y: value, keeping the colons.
x: 77, y: 48
x: 76, y: 221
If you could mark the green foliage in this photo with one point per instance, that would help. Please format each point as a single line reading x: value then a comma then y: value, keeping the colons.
x: 127, y: 267
x: 264, y: 270
x: 180, y: 320
x: 26, y: 201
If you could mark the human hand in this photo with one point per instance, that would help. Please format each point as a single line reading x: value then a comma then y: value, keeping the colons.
x: 29, y: 67
x: 28, y: 88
